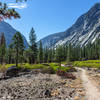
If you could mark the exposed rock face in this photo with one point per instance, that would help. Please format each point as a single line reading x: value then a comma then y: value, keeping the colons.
x: 85, y: 30
x: 9, y: 32
x: 51, y: 40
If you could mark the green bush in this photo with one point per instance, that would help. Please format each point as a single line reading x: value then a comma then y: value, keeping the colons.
x: 54, y: 66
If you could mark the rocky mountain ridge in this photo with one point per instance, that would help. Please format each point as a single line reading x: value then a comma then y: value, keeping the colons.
x: 85, y: 30
x: 9, y: 32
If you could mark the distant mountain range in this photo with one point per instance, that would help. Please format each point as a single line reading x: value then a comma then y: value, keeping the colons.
x: 9, y: 32
x: 85, y: 30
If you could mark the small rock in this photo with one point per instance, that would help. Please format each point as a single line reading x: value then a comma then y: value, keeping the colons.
x: 54, y: 93
x: 76, y: 98
x: 47, y: 93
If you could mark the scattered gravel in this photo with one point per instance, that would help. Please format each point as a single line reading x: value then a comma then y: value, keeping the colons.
x: 41, y: 87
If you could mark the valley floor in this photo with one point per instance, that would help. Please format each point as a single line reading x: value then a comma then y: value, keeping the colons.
x: 40, y: 86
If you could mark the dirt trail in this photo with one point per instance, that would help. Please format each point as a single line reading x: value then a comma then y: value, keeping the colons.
x: 92, y: 92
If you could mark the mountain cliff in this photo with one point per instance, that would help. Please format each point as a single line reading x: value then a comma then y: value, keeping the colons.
x: 9, y: 32
x: 85, y: 30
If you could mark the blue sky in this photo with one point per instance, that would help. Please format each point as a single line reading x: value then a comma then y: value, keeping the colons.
x: 49, y: 16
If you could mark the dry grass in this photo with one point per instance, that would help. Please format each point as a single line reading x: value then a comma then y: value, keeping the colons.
x: 3, y: 68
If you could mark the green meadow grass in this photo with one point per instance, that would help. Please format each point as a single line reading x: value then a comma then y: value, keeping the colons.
x: 64, y: 62
x: 54, y: 66
x: 88, y: 63
x: 28, y: 66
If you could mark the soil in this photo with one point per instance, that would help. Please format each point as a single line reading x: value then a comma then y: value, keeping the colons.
x: 92, y: 92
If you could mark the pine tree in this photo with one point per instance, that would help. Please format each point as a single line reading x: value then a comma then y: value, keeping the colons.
x: 68, y: 53
x: 45, y: 55
x: 53, y: 54
x: 10, y: 53
x: 8, y: 13
x: 33, y: 46
x: 18, y: 46
x: 59, y: 54
x: 2, y: 47
x: 49, y: 55
x: 27, y: 56
x: 40, y: 54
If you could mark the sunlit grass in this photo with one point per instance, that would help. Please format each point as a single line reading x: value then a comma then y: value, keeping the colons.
x: 54, y: 66
x: 64, y: 62
x: 88, y: 63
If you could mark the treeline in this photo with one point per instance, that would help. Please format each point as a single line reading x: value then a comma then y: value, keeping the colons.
x: 70, y: 53
x: 16, y: 52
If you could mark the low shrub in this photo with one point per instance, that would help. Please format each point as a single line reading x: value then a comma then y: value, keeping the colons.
x: 12, y: 71
x: 66, y: 75
x: 71, y: 69
x: 49, y: 70
x: 60, y: 73
x: 45, y: 64
x: 54, y: 66
x: 3, y: 70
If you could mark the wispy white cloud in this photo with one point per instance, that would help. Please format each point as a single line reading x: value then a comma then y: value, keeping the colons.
x: 17, y: 5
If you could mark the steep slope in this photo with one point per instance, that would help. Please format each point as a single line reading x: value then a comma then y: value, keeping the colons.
x: 50, y: 40
x: 9, y: 32
x: 84, y: 31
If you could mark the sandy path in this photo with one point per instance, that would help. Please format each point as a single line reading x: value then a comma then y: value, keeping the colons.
x: 92, y: 92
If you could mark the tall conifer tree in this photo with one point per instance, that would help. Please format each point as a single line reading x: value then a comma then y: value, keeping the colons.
x: 2, y: 47
x: 33, y: 46
x: 18, y: 46
x: 40, y: 54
